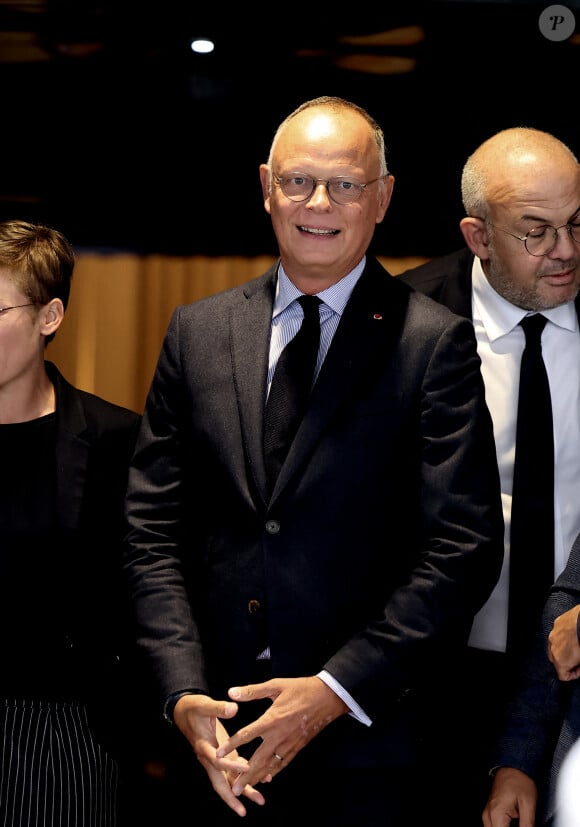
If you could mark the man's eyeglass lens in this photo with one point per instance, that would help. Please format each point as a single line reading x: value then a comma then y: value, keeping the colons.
x: 340, y: 190
x: 541, y: 240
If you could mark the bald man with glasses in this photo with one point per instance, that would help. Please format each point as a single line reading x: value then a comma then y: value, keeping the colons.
x: 299, y: 581
x: 521, y: 195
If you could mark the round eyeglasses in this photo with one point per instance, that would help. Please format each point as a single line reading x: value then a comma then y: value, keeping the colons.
x: 4, y: 310
x: 342, y: 190
x: 541, y: 240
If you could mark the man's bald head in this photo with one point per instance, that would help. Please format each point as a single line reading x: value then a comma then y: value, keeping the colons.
x: 512, y: 164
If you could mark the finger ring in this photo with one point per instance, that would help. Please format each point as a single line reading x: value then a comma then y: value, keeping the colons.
x: 279, y: 757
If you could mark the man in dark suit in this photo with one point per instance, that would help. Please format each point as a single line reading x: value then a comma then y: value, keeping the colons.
x: 521, y: 194
x: 299, y: 635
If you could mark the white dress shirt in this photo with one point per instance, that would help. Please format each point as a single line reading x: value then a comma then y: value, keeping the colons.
x: 568, y: 790
x: 500, y: 343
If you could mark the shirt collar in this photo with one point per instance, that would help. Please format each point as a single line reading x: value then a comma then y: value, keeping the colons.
x: 499, y: 316
x: 335, y: 296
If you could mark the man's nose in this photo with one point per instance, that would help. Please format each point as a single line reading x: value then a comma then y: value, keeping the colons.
x: 320, y: 194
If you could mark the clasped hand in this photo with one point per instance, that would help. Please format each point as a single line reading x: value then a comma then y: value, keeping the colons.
x: 300, y: 709
x: 563, y: 645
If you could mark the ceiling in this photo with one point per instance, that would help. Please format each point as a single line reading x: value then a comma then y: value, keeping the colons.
x: 114, y: 131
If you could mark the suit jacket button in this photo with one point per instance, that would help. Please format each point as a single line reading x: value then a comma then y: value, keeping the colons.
x: 254, y: 606
x: 272, y: 526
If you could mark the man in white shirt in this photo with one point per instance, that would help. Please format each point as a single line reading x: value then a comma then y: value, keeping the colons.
x: 521, y: 194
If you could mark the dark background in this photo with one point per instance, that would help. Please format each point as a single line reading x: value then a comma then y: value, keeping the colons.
x: 113, y: 131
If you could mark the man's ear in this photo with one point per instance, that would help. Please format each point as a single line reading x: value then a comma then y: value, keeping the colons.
x: 265, y: 181
x: 51, y: 316
x: 475, y: 234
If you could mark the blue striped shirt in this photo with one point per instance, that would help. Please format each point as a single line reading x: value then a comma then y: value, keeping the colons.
x: 287, y: 315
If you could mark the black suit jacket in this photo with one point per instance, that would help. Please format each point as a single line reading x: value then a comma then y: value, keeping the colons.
x: 82, y: 643
x: 383, y: 535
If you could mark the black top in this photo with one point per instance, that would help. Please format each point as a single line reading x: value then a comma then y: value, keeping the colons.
x: 33, y: 574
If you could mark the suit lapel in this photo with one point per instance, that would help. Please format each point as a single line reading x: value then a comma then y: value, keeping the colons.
x: 250, y: 334
x: 72, y: 452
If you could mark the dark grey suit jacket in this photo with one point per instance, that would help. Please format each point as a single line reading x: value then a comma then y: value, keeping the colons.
x: 383, y: 535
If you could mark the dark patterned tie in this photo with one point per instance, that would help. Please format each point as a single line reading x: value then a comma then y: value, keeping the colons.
x: 290, y: 388
x: 532, y: 513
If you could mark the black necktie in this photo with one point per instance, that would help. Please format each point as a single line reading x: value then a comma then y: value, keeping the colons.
x: 532, y: 513
x: 290, y: 388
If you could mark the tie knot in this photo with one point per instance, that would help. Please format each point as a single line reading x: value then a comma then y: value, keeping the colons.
x: 309, y: 306
x: 533, y: 326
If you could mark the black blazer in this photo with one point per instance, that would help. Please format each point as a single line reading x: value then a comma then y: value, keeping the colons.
x: 383, y: 535
x: 85, y: 635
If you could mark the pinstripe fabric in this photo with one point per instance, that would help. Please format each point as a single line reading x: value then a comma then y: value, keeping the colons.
x: 53, y: 773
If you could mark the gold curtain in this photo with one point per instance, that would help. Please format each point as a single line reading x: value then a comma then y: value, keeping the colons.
x: 120, y: 306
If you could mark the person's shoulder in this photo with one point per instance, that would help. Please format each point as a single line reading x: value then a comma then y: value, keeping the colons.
x: 103, y: 415
x: 437, y: 268
x: 447, y: 279
x: 96, y: 408
x: 418, y: 306
x: 221, y: 299
x: 100, y: 405
x: 430, y: 308
x: 112, y: 427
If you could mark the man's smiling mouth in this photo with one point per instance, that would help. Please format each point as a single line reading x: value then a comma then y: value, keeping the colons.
x: 318, y: 231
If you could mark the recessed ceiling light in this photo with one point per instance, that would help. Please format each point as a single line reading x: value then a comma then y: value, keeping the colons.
x: 202, y: 46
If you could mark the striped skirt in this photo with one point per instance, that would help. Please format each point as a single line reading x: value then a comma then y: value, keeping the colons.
x: 53, y: 773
